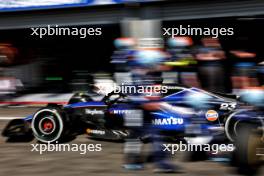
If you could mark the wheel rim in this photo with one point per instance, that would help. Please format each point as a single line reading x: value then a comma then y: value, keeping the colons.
x: 47, y: 125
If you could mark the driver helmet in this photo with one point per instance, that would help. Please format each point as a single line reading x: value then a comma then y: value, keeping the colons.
x: 124, y: 43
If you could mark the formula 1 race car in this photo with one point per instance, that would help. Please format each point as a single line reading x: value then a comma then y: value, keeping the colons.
x: 187, y: 112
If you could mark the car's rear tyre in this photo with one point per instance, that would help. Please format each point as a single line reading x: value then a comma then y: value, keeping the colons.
x: 50, y: 125
x: 245, y: 156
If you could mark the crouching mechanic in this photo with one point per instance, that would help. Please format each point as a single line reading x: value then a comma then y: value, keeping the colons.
x: 145, y: 70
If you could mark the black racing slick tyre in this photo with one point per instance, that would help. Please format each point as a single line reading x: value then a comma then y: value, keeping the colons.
x: 50, y: 125
x: 246, y: 157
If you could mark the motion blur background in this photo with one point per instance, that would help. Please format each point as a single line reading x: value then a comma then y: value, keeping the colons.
x: 37, y: 71
x: 65, y: 64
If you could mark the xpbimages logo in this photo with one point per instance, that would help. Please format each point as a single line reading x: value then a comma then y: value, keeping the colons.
x: 183, y: 147
x: 124, y: 88
x: 55, y: 147
x: 189, y: 30
x: 65, y: 31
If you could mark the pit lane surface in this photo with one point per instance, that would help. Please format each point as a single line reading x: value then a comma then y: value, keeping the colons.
x: 17, y: 158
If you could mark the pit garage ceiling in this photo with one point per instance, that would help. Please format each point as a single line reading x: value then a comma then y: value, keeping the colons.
x: 108, y: 14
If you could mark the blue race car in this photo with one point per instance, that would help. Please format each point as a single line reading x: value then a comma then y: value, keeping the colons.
x: 186, y: 112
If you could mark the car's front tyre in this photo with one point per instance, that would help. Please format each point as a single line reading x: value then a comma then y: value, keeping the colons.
x: 50, y: 125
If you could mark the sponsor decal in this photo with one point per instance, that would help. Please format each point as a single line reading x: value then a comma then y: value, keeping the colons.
x: 93, y: 111
x: 121, y: 112
x: 90, y: 131
x: 168, y: 121
x: 211, y: 115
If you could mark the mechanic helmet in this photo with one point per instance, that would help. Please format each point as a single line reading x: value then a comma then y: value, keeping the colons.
x: 253, y: 96
x: 124, y: 43
x: 149, y: 58
x: 179, y: 42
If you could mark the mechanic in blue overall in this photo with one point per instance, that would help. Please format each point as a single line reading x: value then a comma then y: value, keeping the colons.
x: 124, y: 51
x: 121, y: 59
x: 145, y: 71
x: 181, y: 59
